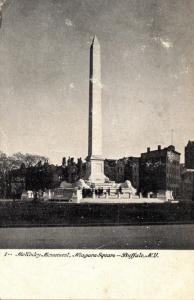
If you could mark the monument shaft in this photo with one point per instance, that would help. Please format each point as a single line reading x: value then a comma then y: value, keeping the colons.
x: 95, y: 159
x: 95, y: 102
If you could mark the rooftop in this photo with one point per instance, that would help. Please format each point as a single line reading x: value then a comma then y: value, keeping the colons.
x: 160, y: 149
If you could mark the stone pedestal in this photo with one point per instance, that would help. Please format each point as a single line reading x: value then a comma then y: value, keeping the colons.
x: 95, y: 169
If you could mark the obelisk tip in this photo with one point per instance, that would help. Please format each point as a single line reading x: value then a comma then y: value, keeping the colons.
x: 95, y: 40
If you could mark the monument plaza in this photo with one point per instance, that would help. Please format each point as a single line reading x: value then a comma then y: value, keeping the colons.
x: 95, y: 185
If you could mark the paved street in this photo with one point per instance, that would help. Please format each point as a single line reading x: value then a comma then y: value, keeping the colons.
x: 101, y: 237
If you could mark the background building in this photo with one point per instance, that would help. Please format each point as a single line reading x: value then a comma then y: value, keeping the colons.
x: 110, y: 168
x: 160, y: 170
x: 187, y: 183
x: 187, y: 173
x: 126, y: 168
x: 132, y: 171
x: 189, y: 155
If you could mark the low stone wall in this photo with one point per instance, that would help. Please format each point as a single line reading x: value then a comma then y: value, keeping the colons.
x: 70, y: 214
x: 65, y: 194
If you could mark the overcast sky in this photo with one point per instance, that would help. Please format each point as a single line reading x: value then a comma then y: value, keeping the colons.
x: 147, y: 54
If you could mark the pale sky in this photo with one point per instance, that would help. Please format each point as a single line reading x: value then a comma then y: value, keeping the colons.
x: 147, y: 53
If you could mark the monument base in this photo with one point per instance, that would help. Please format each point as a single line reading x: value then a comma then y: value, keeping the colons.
x: 95, y: 170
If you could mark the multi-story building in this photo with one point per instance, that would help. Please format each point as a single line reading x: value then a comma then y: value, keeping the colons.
x: 126, y: 168
x: 120, y: 169
x: 132, y: 171
x: 187, y: 183
x: 189, y: 155
x: 160, y: 170
x: 110, y: 168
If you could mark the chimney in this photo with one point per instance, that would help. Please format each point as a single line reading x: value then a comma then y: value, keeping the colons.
x: 148, y: 149
x: 64, y: 162
x: 159, y: 147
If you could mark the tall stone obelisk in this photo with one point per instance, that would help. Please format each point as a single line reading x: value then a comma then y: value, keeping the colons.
x: 95, y: 161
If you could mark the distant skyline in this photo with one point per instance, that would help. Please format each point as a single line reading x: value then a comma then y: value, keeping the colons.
x: 147, y: 56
